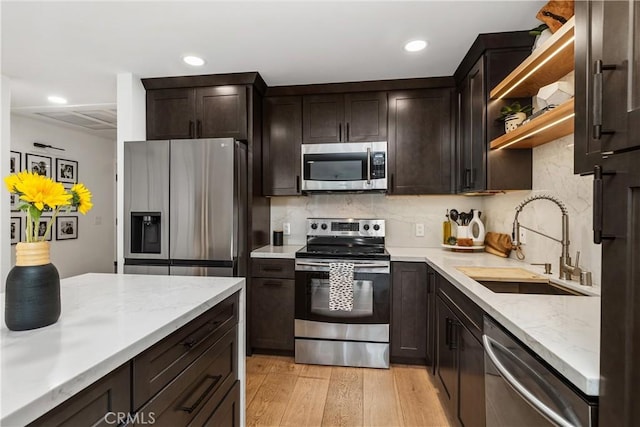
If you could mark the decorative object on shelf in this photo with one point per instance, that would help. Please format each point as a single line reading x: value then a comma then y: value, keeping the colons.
x: 556, y: 13
x: 555, y: 93
x: 66, y: 171
x: 16, y: 229
x: 66, y: 227
x: 542, y: 34
x: 476, y: 229
x: 513, y: 115
x: 15, y: 162
x: 32, y: 298
x: 40, y: 165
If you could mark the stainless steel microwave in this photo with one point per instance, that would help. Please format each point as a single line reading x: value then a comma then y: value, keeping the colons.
x: 346, y: 166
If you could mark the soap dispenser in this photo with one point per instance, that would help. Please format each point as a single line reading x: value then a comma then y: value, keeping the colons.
x: 476, y: 227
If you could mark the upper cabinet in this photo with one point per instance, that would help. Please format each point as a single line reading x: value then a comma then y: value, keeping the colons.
x: 201, y: 112
x: 547, y: 64
x: 282, y: 135
x: 351, y: 117
x: 489, y: 60
x: 421, y: 141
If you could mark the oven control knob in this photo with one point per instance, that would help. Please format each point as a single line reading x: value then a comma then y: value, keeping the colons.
x: 323, y: 226
x: 376, y: 227
x: 366, y: 227
x: 314, y: 226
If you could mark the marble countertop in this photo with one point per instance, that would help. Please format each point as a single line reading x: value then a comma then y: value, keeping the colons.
x: 269, y: 251
x: 563, y: 330
x: 106, y: 320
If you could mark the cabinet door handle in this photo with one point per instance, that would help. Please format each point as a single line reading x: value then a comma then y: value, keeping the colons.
x: 191, y: 129
x: 272, y: 283
x: 298, y: 184
x: 430, y: 282
x: 347, y: 132
x: 391, y: 184
x: 467, y: 178
x: 597, y: 99
x: 214, y: 381
x: 340, y: 132
x: 199, y: 133
x: 454, y: 335
x: 447, y: 333
x: 598, y: 235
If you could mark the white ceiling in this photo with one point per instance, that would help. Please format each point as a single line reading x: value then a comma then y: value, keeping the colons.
x: 76, y: 49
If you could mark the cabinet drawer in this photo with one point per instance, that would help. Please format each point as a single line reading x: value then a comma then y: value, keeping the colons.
x: 201, y: 386
x: 227, y: 414
x: 96, y: 405
x: 468, y: 312
x: 156, y: 367
x: 281, y: 268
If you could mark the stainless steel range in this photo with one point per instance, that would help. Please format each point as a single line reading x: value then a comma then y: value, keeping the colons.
x: 359, y: 335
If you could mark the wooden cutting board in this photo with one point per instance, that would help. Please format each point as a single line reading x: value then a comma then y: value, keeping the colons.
x: 502, y: 274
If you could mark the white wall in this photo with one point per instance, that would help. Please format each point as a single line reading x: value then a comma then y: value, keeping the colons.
x: 5, y: 146
x: 552, y: 174
x: 94, y: 250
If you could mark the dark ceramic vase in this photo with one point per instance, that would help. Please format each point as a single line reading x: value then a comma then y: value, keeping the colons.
x: 32, y: 298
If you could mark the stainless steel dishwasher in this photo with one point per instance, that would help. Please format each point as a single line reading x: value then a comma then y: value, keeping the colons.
x: 522, y: 391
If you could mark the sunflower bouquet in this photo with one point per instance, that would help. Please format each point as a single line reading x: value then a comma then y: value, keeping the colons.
x: 38, y: 193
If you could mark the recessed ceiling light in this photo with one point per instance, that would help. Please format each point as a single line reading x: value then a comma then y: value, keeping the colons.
x: 415, y: 45
x: 193, y: 60
x: 57, y: 99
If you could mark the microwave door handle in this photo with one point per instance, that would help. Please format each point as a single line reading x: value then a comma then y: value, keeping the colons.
x: 368, y: 165
x: 488, y: 344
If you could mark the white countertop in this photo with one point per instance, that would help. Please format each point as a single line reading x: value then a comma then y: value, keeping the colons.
x: 106, y: 320
x: 269, y: 251
x: 563, y: 330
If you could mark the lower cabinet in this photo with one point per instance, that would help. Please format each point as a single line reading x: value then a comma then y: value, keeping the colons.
x: 460, y: 355
x: 409, y: 312
x: 103, y: 403
x: 188, y: 378
x: 272, y: 305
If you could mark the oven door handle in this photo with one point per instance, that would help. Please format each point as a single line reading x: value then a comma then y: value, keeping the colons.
x: 536, y: 403
x: 326, y: 264
x: 368, y: 165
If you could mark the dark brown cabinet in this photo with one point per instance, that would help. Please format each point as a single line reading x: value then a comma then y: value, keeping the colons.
x: 409, y: 312
x: 202, y: 112
x: 282, y: 138
x: 430, y: 349
x: 272, y: 305
x: 98, y: 405
x: 489, y: 60
x: 460, y: 354
x: 421, y: 141
x: 351, y: 117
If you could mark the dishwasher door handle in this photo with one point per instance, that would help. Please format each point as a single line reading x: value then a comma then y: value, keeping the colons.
x: 488, y: 344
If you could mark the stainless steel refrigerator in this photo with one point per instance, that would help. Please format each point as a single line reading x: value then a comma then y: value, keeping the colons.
x: 185, y: 204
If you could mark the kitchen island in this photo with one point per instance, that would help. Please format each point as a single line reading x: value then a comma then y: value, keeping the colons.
x: 107, y: 322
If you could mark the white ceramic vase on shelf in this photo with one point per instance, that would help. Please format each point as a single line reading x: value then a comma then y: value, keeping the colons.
x: 476, y: 229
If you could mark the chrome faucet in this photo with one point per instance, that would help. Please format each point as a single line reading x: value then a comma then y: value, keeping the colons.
x: 567, y: 271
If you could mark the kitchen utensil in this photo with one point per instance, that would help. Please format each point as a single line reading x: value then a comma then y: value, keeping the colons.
x: 453, y: 214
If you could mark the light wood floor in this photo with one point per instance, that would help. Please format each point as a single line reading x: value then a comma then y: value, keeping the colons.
x: 281, y: 393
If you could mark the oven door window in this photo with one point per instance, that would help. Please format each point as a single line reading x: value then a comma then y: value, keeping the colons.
x: 335, y: 167
x: 371, y: 299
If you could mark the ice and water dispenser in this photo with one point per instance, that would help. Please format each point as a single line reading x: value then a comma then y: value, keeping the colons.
x: 146, y: 232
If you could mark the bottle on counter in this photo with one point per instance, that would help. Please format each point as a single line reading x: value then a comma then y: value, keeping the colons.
x: 446, y: 229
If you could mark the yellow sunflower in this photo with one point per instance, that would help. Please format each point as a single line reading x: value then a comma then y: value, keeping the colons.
x: 81, y: 198
x: 40, y: 191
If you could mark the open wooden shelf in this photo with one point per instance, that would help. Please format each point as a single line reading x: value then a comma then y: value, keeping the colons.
x: 551, y: 125
x: 547, y: 64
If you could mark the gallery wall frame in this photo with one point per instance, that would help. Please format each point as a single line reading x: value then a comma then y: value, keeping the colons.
x: 66, y: 227
x: 38, y: 164
x: 66, y: 171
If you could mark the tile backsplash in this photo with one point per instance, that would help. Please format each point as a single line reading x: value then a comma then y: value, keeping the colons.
x: 552, y: 174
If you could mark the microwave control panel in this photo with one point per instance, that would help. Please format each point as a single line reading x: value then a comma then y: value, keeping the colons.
x: 378, y: 165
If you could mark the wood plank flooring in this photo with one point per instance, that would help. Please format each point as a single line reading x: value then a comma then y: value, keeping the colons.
x: 281, y: 393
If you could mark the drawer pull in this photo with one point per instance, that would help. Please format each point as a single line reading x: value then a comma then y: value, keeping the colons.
x: 272, y: 283
x: 190, y: 343
x: 277, y: 268
x: 214, y: 381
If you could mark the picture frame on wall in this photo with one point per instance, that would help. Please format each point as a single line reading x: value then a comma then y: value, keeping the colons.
x: 66, y: 171
x: 70, y: 208
x: 16, y: 229
x: 15, y: 162
x: 66, y: 227
x: 15, y: 199
x: 38, y: 164
x: 42, y: 228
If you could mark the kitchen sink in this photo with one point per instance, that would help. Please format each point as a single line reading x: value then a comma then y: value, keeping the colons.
x: 539, y: 288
